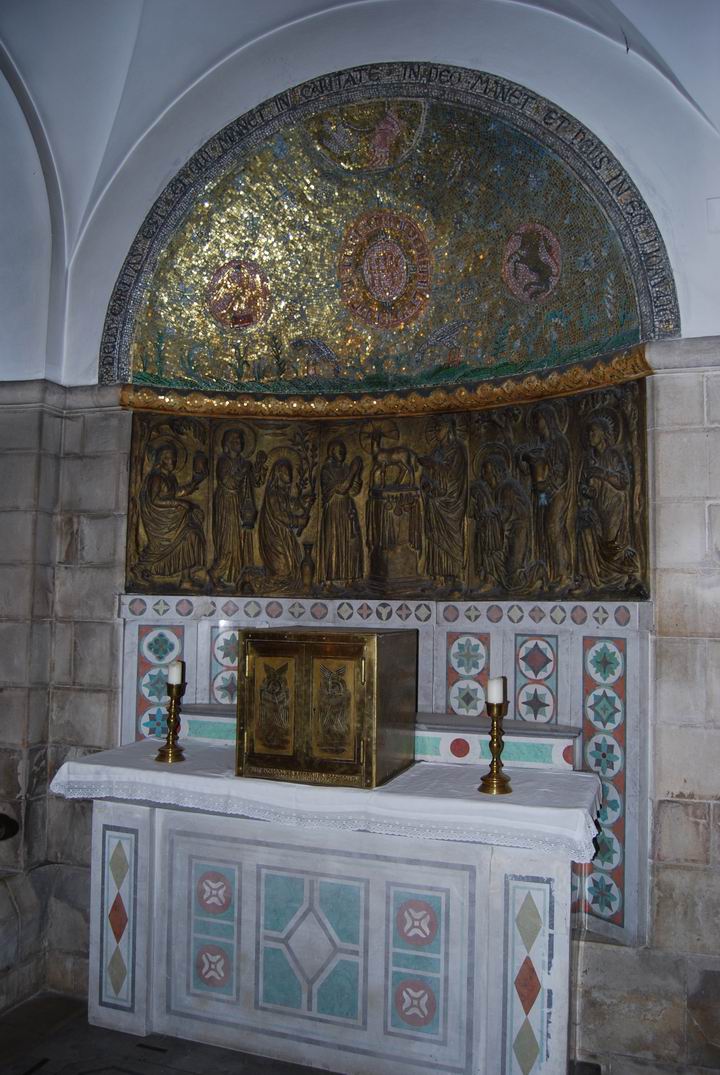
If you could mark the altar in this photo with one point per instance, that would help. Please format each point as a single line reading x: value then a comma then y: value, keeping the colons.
x: 416, y: 927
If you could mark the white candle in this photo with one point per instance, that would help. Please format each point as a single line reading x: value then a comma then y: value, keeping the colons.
x: 176, y: 672
x: 497, y: 690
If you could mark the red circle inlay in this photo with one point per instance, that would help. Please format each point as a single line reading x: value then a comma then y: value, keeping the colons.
x: 460, y: 748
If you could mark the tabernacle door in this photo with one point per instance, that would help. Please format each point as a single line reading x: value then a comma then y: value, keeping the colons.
x: 270, y: 724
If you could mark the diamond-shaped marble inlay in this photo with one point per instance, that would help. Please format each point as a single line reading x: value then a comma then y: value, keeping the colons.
x: 622, y: 616
x: 117, y: 971
x: 344, y: 610
x: 403, y: 612
x: 161, y: 607
x: 473, y: 613
x: 536, y: 614
x: 515, y: 613
x: 528, y: 921
x: 495, y: 613
x: 119, y: 864
x: 423, y: 613
x: 117, y: 917
x: 296, y: 610
x: 527, y: 984
x: 526, y: 1048
x: 578, y: 614
x: 230, y: 608
x: 184, y: 606
x: 601, y: 615
x: 536, y: 659
x: 310, y: 945
x: 137, y: 606
x: 558, y: 614
x: 319, y: 610
x: 273, y: 609
x: 252, y: 609
x: 364, y: 611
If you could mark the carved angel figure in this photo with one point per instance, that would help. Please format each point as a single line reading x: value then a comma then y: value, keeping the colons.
x: 333, y: 709
x: 274, y: 715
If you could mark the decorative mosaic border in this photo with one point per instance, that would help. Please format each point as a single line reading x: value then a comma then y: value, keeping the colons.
x: 593, y: 163
x: 528, y: 958
x: 590, y: 615
x: 600, y: 892
x: 118, y: 912
x: 214, y: 930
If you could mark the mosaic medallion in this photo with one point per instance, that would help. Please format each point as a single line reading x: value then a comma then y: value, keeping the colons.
x: 604, y: 662
x: 213, y: 965
x: 214, y: 892
x: 416, y: 922
x: 604, y: 708
x: 415, y: 1002
x: 531, y: 263
x: 238, y: 295
x: 385, y: 269
x: 468, y: 655
x: 160, y: 646
x: 467, y: 698
x: 536, y: 703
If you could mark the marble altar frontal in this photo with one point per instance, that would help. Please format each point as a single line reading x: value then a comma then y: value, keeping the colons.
x: 416, y: 927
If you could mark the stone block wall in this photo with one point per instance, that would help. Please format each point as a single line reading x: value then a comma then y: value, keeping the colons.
x: 63, y: 467
x: 657, y: 1009
x: 84, y: 702
x: 30, y: 446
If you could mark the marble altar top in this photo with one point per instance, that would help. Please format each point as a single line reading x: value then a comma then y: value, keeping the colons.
x: 547, y: 810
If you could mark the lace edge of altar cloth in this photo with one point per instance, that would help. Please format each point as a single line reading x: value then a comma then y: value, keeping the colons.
x: 577, y: 847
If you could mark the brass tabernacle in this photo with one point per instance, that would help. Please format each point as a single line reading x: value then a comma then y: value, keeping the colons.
x: 495, y: 781
x: 334, y: 707
x: 171, y: 751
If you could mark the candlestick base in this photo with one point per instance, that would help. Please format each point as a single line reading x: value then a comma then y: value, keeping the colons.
x: 495, y: 781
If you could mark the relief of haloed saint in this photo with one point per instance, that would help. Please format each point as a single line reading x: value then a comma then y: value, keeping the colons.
x: 548, y: 462
x: 606, y: 554
x: 444, y: 492
x: 341, y: 542
x: 284, y: 514
x: 173, y: 547
x: 237, y: 477
x: 501, y: 509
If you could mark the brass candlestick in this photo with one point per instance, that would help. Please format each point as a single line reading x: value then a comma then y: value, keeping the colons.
x: 495, y: 781
x: 171, y: 751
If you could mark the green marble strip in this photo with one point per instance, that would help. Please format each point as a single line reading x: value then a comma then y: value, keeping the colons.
x: 427, y: 744
x: 538, y: 753
x: 223, y: 930
x: 211, y: 729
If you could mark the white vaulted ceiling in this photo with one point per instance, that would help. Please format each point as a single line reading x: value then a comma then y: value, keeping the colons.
x: 103, y: 100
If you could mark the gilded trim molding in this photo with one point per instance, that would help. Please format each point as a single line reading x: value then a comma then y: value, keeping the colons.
x: 627, y: 365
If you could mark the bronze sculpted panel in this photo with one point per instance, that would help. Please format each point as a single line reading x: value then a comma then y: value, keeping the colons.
x: 546, y: 500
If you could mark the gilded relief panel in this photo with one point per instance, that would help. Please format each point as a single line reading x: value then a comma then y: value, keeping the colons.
x: 543, y: 500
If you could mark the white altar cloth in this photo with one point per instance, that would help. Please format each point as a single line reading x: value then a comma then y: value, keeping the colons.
x: 548, y: 811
